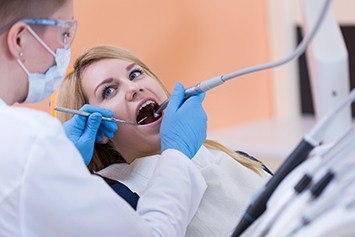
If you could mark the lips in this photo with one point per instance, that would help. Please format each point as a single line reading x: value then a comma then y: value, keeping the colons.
x: 145, y: 112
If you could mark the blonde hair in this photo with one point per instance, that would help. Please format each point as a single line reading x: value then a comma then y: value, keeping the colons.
x: 71, y: 95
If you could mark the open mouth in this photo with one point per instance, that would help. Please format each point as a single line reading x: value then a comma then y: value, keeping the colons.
x: 145, y: 114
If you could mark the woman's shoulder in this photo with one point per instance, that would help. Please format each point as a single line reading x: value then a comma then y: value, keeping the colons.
x: 231, y: 186
x: 219, y: 156
x: 214, y: 160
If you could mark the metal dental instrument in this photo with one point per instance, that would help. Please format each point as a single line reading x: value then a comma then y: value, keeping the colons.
x: 86, y: 114
x: 219, y: 80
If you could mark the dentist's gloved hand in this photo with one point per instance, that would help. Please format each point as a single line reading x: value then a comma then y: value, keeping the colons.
x: 84, y: 131
x: 184, y: 123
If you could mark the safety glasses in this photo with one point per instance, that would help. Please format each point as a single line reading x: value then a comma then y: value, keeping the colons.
x: 65, y: 35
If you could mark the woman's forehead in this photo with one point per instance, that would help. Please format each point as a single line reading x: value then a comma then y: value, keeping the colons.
x: 106, y: 66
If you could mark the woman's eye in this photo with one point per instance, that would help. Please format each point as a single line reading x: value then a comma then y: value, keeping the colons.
x: 107, y: 92
x: 134, y: 74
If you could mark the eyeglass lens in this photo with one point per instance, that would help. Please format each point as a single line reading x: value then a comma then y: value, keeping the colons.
x: 67, y: 33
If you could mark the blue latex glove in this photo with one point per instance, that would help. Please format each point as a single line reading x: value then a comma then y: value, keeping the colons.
x: 184, y: 123
x: 84, y: 131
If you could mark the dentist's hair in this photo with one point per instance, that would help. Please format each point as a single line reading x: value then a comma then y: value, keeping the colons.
x: 12, y: 10
x: 71, y: 95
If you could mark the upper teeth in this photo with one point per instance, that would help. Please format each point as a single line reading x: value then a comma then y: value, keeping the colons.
x: 148, y: 102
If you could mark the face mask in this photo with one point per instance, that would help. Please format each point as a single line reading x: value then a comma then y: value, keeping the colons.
x: 42, y: 85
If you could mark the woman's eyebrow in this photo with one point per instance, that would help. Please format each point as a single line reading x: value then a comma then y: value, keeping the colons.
x: 129, y: 67
x: 106, y: 81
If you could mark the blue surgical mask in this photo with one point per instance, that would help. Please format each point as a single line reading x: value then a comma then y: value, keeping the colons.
x: 42, y: 85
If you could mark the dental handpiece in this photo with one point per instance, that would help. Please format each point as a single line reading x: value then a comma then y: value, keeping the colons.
x: 86, y: 114
x: 194, y: 90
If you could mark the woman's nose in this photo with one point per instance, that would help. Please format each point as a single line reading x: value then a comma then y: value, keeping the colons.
x: 133, y: 91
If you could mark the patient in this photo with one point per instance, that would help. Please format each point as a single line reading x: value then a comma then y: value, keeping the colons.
x: 114, y: 78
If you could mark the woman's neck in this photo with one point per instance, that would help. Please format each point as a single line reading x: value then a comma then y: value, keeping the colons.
x: 129, y: 158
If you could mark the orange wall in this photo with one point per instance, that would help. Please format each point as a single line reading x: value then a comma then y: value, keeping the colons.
x: 189, y: 41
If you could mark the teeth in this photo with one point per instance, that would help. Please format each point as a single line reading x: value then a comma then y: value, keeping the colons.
x: 148, y: 102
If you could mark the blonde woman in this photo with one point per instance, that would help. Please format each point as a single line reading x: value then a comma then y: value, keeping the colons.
x: 115, y: 79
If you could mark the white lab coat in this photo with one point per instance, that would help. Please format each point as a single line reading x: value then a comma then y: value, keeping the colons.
x: 46, y: 190
x: 230, y: 187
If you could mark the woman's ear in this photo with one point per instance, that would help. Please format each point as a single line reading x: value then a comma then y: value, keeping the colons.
x: 16, y: 39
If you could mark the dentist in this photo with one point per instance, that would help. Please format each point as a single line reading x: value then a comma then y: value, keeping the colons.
x: 45, y: 187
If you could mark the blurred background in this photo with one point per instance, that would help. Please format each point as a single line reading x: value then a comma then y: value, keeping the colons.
x: 190, y: 41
